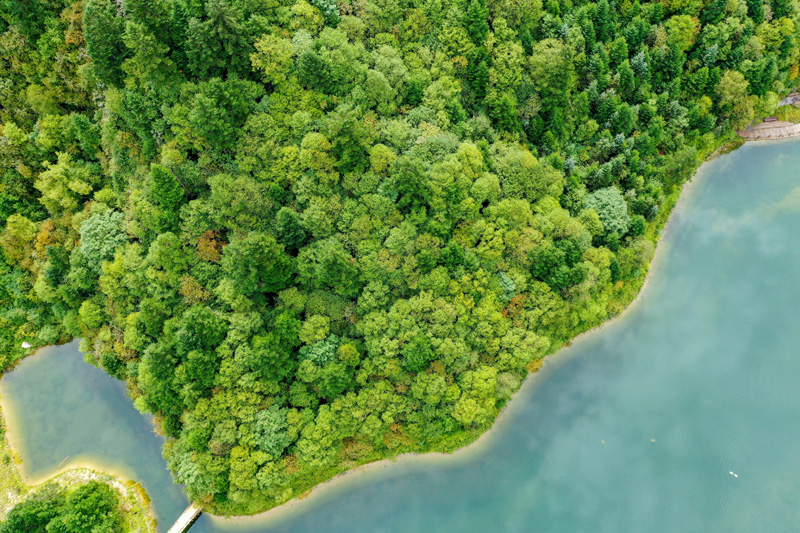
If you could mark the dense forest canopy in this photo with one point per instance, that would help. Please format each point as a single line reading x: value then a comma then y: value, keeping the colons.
x: 315, y: 234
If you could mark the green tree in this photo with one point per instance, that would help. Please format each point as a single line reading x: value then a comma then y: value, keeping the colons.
x: 290, y: 231
x: 327, y: 264
x: 16, y: 239
x: 272, y: 430
x: 257, y: 265
x: 210, y: 113
x: 734, y: 99
x: 66, y: 184
x: 612, y: 208
x: 101, y: 235
x: 35, y: 512
x: 273, y: 56
x: 103, y: 31
x: 417, y: 353
x: 475, y: 20
x: 604, y: 22
x: 168, y: 194
x: 218, y: 46
x: 91, y: 507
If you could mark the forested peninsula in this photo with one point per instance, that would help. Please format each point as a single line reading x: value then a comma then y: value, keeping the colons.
x: 315, y: 234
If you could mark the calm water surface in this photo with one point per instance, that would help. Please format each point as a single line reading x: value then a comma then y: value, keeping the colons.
x: 62, y: 411
x: 682, y: 416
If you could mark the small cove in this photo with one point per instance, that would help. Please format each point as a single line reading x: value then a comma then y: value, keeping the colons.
x: 638, y: 426
x: 62, y: 412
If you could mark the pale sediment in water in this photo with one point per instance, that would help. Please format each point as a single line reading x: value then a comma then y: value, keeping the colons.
x: 642, y: 423
x: 69, y: 420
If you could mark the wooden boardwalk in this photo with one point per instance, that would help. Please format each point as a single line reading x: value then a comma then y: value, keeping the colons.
x: 185, y: 520
x: 770, y: 130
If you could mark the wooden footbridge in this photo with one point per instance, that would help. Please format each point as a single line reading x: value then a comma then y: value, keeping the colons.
x: 186, y: 519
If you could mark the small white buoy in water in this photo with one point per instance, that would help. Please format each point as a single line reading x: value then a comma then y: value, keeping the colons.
x: 25, y: 344
x: 734, y: 475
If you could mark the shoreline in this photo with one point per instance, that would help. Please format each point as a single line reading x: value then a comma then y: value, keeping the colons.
x: 362, y: 474
x: 550, y: 363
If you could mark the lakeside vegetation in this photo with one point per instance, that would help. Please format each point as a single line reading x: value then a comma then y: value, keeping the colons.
x: 314, y: 235
x: 91, y: 507
x: 77, y: 500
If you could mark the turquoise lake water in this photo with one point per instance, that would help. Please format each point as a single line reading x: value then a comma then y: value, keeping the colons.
x: 683, y: 415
